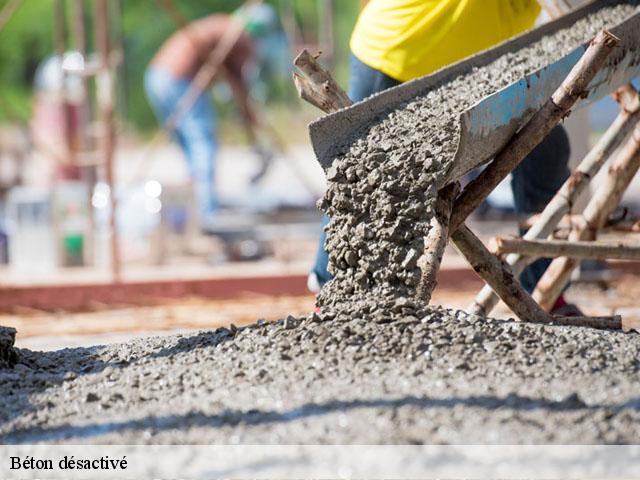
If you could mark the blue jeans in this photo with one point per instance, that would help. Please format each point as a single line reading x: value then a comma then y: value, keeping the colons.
x: 534, y: 181
x: 195, y: 133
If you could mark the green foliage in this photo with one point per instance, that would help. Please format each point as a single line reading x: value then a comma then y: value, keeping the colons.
x: 24, y: 41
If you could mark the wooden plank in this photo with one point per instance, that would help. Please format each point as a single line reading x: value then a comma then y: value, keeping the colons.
x: 565, y: 248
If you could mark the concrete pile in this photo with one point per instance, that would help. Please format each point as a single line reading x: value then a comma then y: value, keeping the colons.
x: 436, y: 376
x: 375, y: 366
x: 8, y: 355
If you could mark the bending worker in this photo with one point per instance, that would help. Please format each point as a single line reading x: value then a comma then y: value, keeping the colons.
x: 398, y: 40
x: 171, y: 73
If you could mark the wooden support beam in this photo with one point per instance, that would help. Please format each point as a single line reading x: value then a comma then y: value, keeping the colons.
x: 604, y: 201
x: 560, y: 205
x: 68, y: 168
x: 613, y: 322
x: 527, y: 223
x: 436, y: 241
x: 317, y: 86
x: 564, y: 248
x: 498, y: 276
x: 557, y: 107
x: 618, y: 220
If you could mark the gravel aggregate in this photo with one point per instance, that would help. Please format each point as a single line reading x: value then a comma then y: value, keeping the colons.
x: 432, y: 376
x: 375, y: 366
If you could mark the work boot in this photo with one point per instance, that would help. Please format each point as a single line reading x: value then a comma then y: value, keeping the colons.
x: 563, y: 309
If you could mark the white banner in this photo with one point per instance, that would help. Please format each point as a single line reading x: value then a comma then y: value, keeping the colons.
x: 320, y: 461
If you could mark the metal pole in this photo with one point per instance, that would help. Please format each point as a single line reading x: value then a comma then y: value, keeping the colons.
x: 104, y: 91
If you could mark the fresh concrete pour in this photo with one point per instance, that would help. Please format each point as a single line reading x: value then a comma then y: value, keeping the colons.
x: 381, y: 192
x: 375, y: 366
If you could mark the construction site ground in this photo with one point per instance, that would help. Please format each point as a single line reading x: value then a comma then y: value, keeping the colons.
x: 237, y: 293
x: 105, y: 324
x: 444, y: 378
x: 163, y: 371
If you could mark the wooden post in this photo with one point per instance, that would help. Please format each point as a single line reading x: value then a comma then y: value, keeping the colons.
x: 88, y: 172
x: 576, y: 184
x: 564, y: 248
x: 605, y: 200
x: 318, y: 86
x: 105, y: 101
x: 496, y: 274
x: 436, y: 241
x: 80, y: 41
x: 59, y: 30
x: 557, y: 107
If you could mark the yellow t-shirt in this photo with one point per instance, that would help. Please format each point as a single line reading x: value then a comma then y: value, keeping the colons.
x: 406, y: 39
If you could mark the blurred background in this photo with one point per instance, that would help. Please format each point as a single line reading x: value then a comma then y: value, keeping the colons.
x: 99, y: 233
x: 52, y: 157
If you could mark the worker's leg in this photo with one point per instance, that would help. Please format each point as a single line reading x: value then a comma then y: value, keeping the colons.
x: 320, y: 268
x: 162, y: 92
x: 364, y: 81
x: 195, y: 132
x: 534, y: 182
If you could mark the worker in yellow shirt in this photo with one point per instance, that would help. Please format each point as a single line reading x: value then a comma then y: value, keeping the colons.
x: 399, y: 40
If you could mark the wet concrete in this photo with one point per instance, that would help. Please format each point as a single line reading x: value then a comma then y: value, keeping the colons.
x: 8, y: 354
x: 376, y: 366
x: 410, y: 376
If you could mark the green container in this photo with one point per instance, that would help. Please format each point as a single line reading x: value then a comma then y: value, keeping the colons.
x: 73, y: 245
